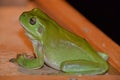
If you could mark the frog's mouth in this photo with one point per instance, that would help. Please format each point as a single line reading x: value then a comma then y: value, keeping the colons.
x: 27, y: 32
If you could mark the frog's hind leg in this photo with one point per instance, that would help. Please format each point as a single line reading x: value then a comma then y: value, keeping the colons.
x: 84, y: 67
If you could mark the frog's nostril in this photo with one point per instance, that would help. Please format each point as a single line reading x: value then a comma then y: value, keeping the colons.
x: 24, y: 14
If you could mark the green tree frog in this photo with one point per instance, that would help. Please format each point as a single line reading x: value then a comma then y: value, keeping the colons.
x: 58, y: 47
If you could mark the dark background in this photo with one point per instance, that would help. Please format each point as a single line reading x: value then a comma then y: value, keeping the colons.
x: 105, y: 14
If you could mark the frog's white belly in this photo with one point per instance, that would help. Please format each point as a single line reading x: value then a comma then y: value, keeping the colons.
x: 51, y: 64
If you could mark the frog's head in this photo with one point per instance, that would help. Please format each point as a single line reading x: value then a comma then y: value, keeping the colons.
x: 34, y: 22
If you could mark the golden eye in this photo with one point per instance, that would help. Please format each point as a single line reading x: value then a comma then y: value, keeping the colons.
x: 33, y: 21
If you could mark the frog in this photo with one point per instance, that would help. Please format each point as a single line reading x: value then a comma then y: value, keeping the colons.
x: 59, y: 48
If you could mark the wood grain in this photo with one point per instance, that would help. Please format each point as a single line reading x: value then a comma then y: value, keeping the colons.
x: 60, y: 77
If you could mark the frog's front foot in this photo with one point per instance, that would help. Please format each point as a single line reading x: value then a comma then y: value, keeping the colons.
x: 29, y: 62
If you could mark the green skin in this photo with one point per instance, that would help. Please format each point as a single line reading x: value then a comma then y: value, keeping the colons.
x: 59, y: 48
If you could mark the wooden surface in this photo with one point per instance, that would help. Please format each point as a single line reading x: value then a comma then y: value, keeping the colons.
x: 12, y: 38
x: 14, y: 41
x: 37, y: 77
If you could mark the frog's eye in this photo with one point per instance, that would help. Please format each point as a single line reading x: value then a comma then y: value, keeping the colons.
x: 33, y: 21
